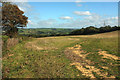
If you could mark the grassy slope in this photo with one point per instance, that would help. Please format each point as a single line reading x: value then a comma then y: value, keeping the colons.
x: 43, y: 64
x: 51, y: 61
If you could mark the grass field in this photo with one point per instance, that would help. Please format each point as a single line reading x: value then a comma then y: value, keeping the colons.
x: 44, y: 32
x: 84, y: 56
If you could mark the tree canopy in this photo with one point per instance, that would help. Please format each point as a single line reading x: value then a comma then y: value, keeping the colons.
x: 12, y: 17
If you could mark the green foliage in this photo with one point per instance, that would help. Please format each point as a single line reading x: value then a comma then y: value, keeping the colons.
x: 93, y: 30
x: 12, y: 17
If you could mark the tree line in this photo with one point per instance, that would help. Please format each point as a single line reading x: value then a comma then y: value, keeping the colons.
x: 94, y: 30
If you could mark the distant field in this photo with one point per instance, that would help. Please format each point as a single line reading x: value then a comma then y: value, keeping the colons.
x: 84, y: 56
x: 113, y: 34
x: 45, y: 32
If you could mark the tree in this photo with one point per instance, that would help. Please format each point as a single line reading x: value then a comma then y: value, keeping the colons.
x: 12, y: 17
x: 91, y: 30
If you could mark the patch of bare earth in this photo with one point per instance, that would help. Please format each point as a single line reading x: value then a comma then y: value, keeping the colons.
x: 78, y: 58
x: 109, y: 56
x: 32, y: 45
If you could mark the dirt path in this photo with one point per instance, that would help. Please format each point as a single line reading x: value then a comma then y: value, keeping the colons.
x: 48, y: 43
x: 78, y: 58
x: 35, y: 44
x: 109, y: 56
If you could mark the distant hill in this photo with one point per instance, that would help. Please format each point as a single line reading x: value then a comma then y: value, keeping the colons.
x: 44, y: 32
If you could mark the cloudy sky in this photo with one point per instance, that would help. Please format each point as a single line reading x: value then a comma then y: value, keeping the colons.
x: 76, y: 14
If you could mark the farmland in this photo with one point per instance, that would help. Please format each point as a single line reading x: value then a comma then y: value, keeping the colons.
x: 44, y: 32
x: 81, y: 56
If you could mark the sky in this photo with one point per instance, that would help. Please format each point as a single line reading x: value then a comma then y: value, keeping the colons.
x: 61, y: 0
x: 76, y: 14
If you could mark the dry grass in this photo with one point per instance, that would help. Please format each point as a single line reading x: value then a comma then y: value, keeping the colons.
x: 109, y: 56
x: 102, y: 35
x: 64, y: 57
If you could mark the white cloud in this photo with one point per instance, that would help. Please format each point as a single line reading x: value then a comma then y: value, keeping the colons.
x: 21, y: 9
x: 92, y: 20
x: 112, y: 21
x: 81, y: 13
x: 93, y: 17
x: 66, y: 18
x: 46, y: 23
x: 42, y: 23
x: 78, y: 1
x: 113, y: 18
x: 99, y: 20
x: 24, y: 6
x: 30, y: 22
